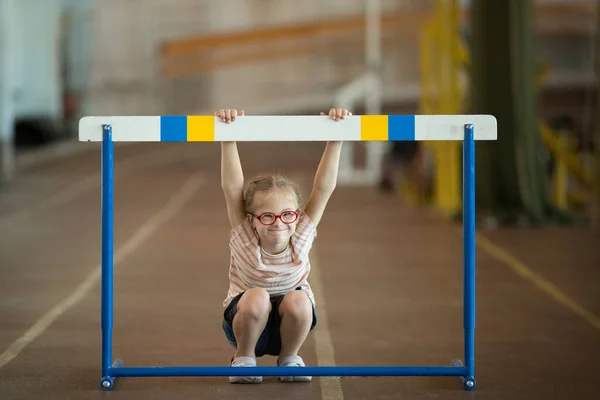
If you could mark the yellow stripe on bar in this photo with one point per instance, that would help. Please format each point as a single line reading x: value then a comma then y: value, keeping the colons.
x: 201, y: 128
x: 374, y: 127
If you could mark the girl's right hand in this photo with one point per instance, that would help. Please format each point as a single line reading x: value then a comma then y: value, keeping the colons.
x: 228, y: 115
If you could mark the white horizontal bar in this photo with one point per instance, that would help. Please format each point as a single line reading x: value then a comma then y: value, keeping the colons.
x: 452, y: 127
x: 125, y: 129
x: 287, y: 128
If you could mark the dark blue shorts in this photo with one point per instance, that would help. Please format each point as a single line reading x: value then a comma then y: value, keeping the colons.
x: 269, y: 341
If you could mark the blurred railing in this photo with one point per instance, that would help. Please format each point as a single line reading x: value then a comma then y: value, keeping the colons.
x: 310, y: 60
x: 185, y: 57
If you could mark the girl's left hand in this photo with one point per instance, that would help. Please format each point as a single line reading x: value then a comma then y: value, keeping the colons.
x: 338, y: 113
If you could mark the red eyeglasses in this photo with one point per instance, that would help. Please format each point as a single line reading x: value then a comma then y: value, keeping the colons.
x: 268, y: 218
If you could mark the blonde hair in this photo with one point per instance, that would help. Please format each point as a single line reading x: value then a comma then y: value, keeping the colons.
x: 267, y: 183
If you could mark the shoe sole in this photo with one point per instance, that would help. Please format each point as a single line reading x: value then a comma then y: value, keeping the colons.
x: 295, y: 379
x: 245, y: 379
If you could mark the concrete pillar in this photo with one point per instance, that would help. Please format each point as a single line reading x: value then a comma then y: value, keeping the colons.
x: 510, y: 180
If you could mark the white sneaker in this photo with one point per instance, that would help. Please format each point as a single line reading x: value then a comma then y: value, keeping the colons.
x: 244, y: 362
x: 293, y: 361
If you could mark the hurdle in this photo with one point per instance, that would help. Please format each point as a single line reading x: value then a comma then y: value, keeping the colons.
x: 110, y: 129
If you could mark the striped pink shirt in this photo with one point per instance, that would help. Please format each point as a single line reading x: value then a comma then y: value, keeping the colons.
x: 253, y: 267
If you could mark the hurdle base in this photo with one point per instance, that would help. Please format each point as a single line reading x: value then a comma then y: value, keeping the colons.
x: 117, y: 370
x: 107, y: 382
x: 189, y: 371
x: 468, y: 382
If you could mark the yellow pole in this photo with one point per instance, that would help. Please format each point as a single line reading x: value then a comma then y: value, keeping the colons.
x: 560, y: 175
x: 425, y: 58
x: 441, y: 59
x: 454, y: 38
x: 441, y: 176
x: 454, y: 106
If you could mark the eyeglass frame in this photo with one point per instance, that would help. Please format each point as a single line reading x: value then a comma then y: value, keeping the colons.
x: 296, y: 213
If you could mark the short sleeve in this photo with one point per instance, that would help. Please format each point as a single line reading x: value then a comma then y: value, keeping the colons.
x: 306, y: 229
x: 243, y: 234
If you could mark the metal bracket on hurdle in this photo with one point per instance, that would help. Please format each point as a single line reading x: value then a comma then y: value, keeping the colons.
x: 466, y: 128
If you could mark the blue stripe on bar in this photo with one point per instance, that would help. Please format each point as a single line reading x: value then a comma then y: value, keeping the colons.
x: 173, y: 128
x: 286, y: 371
x: 401, y: 127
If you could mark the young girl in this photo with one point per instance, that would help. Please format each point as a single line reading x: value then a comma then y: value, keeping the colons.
x: 270, y: 308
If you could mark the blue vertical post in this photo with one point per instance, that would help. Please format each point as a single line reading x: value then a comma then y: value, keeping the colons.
x: 469, y: 253
x: 107, y: 253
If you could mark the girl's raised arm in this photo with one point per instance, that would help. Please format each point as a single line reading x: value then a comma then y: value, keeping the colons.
x: 326, y: 175
x: 232, y: 175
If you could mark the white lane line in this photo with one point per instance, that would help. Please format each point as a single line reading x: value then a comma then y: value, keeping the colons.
x: 185, y: 193
x: 331, y: 388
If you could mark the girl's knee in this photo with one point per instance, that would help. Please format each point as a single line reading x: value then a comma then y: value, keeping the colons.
x: 296, y: 304
x: 255, y: 303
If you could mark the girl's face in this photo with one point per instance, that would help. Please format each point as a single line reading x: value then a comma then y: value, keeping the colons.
x: 282, y: 204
